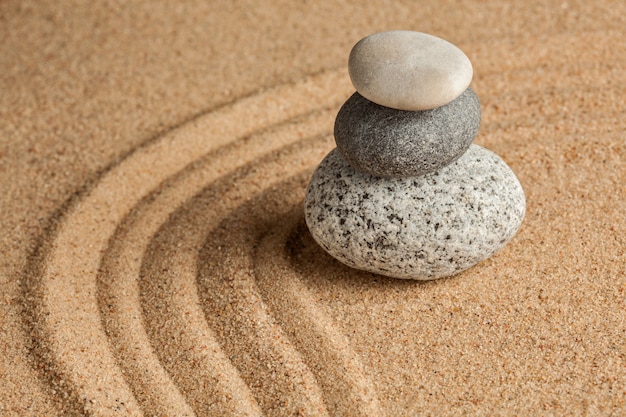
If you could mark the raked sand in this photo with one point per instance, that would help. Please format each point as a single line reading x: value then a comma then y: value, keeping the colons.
x: 155, y: 260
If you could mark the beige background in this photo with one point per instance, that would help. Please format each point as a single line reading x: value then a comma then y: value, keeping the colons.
x: 197, y: 125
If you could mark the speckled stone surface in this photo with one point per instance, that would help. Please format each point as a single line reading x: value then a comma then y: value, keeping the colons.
x: 396, y: 143
x: 408, y: 70
x: 416, y: 228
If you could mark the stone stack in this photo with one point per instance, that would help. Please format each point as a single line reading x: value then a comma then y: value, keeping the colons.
x: 405, y: 193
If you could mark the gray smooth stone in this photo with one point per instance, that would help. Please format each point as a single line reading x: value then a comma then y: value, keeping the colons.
x: 408, y: 70
x: 415, y: 228
x: 396, y: 143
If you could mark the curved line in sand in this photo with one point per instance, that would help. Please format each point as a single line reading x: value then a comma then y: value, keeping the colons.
x: 64, y: 305
x: 345, y: 385
x: 167, y: 279
x: 90, y: 212
x: 120, y: 303
x: 268, y: 363
x: 230, y: 276
x: 64, y: 296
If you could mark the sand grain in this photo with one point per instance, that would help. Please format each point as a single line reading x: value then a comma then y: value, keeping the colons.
x: 153, y: 161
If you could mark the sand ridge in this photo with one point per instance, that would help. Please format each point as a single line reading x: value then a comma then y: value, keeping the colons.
x: 180, y: 278
x: 79, y: 336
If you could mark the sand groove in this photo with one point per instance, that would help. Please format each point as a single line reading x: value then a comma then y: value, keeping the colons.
x: 229, y: 279
x: 168, y: 286
x: 343, y: 378
x: 130, y: 271
x: 64, y: 299
x: 172, y: 284
x: 163, y: 293
x: 266, y: 360
x: 124, y: 260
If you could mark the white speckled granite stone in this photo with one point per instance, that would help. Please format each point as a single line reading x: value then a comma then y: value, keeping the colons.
x: 408, y: 70
x: 421, y: 228
x: 396, y: 143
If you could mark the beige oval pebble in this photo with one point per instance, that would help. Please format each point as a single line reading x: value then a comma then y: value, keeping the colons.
x: 409, y: 70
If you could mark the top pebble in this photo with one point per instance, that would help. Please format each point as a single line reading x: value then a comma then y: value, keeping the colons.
x: 408, y: 70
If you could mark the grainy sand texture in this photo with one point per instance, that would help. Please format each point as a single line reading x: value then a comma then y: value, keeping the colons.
x: 154, y: 257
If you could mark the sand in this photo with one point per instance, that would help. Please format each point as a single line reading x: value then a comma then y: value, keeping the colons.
x: 155, y: 261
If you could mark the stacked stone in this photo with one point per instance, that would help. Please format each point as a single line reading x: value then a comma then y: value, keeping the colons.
x: 405, y: 193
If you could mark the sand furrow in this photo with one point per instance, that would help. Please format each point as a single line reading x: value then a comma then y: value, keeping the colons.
x: 168, y: 277
x: 62, y: 299
x: 345, y: 383
x: 119, y: 294
x: 236, y: 294
x: 122, y: 255
x: 119, y: 304
x: 181, y: 280
x: 253, y: 337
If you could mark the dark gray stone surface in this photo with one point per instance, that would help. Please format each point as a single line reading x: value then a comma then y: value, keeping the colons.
x: 421, y: 228
x: 396, y: 143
